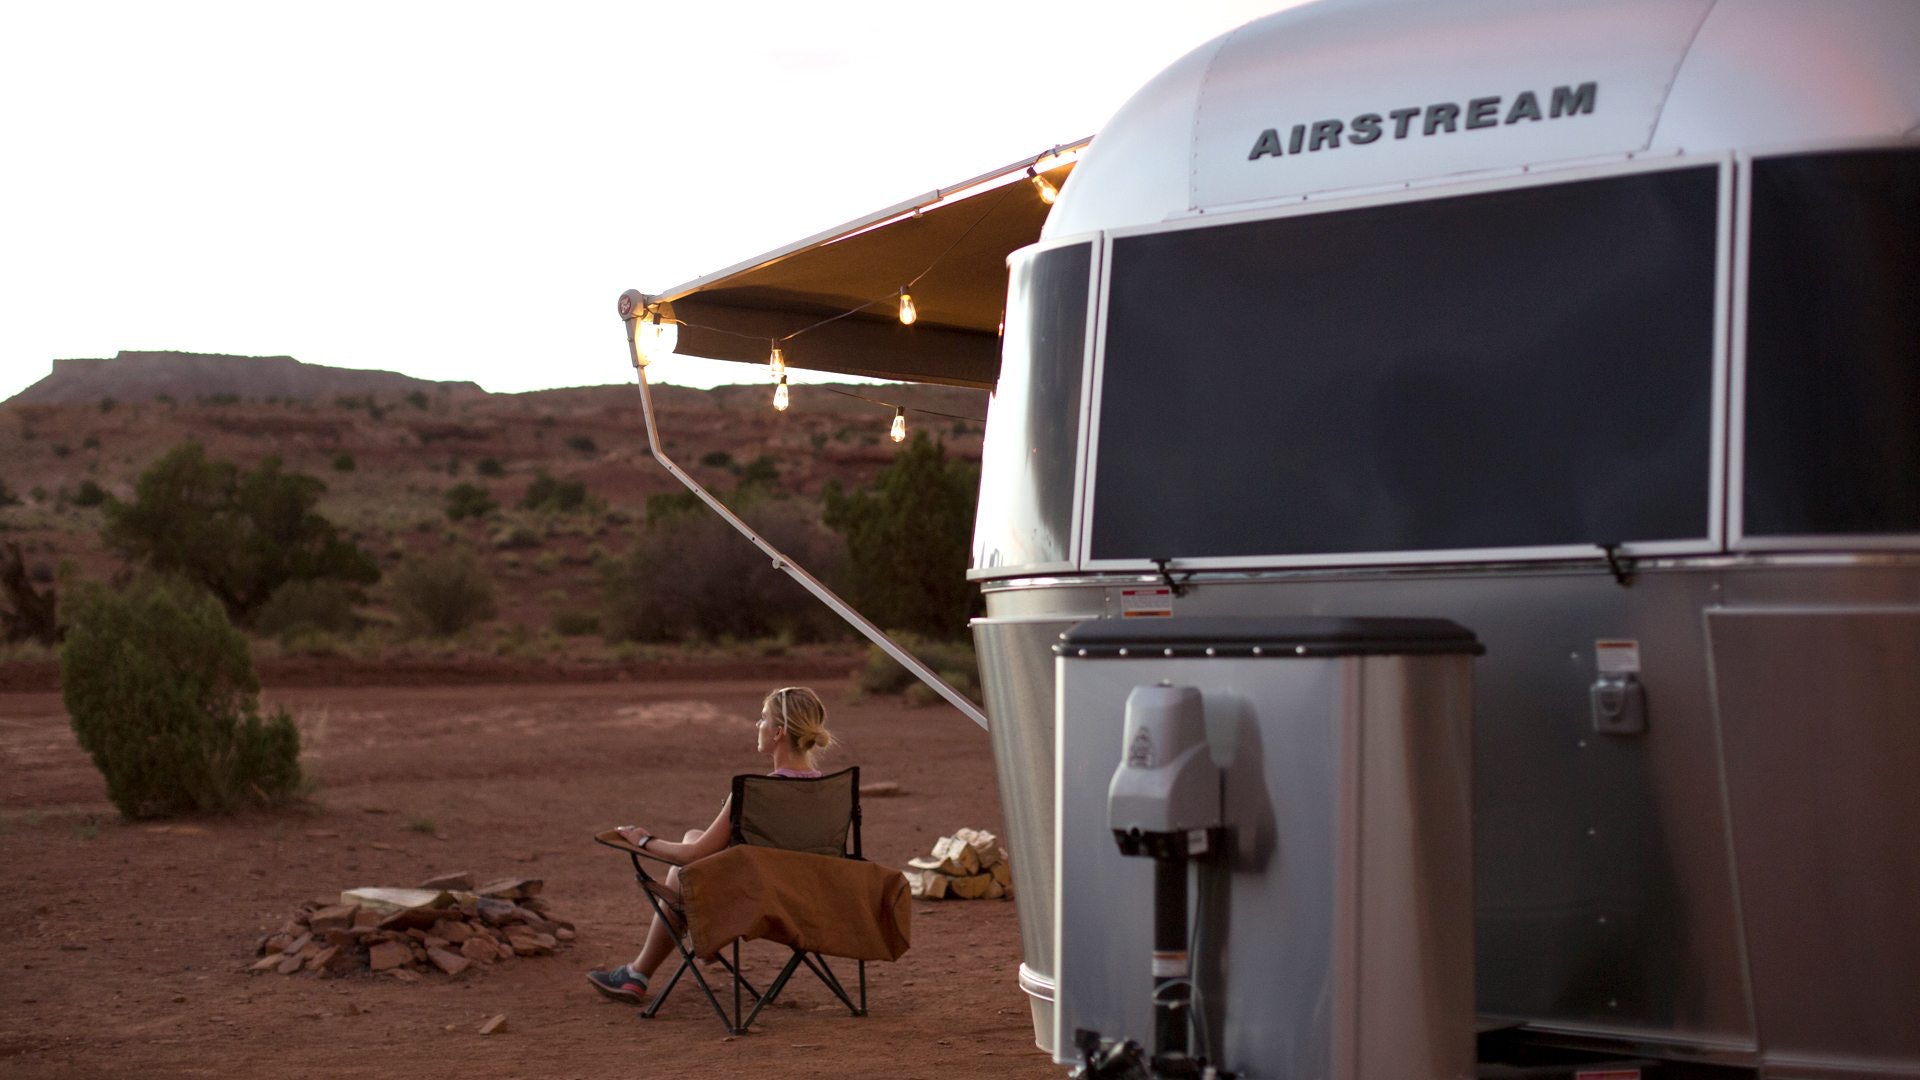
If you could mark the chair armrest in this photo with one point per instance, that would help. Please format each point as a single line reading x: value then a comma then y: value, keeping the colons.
x: 612, y: 838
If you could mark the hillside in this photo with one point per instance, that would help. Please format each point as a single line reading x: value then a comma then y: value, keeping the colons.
x: 388, y: 462
x: 182, y: 376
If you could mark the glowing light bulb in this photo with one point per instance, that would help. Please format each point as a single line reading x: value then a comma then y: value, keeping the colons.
x: 1041, y: 184
x: 656, y: 340
x: 777, y: 364
x: 907, y: 311
x: 899, y: 432
x: 780, y: 395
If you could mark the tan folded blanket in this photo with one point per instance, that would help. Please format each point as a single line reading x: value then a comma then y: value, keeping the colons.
x: 837, y: 907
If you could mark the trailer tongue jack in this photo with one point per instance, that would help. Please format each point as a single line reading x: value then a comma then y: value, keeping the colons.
x: 1163, y: 804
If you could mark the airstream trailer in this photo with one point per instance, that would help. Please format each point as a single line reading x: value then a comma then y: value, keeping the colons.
x: 1591, y: 327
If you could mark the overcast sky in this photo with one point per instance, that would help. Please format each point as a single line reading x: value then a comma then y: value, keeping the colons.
x: 461, y: 191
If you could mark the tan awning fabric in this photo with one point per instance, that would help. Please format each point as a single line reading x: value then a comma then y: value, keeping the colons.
x: 963, y: 233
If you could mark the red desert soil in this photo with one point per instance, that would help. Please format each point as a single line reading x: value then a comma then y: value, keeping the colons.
x: 123, y: 946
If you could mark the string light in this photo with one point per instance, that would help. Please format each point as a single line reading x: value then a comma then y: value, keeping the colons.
x: 656, y: 340
x: 1041, y: 184
x: 907, y: 311
x: 899, y: 431
x: 777, y: 364
x: 780, y: 395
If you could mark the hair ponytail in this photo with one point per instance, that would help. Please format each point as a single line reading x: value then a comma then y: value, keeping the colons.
x: 802, y: 717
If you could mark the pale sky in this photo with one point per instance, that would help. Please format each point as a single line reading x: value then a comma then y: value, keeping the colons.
x: 461, y: 191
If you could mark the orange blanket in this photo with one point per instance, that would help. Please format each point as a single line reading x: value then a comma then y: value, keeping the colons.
x: 838, y: 907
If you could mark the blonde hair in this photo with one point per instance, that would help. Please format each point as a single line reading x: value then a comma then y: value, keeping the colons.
x: 801, y: 715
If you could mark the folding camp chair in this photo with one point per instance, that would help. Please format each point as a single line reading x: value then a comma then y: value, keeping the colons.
x: 812, y: 815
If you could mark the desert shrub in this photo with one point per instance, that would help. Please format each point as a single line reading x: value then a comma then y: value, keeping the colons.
x: 690, y: 576
x: 161, y: 693
x: 91, y: 442
x: 417, y: 399
x: 7, y: 497
x: 61, y: 450
x: 307, y: 605
x: 717, y: 459
x: 907, y: 541
x: 761, y: 473
x: 516, y: 538
x: 557, y: 496
x: 442, y: 595
x: 343, y: 462
x: 575, y: 623
x: 239, y: 535
x: 953, y: 660
x: 582, y: 443
x: 491, y: 467
x: 107, y: 404
x: 89, y: 493
x: 468, y: 500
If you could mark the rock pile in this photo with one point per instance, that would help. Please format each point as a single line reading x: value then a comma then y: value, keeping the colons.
x: 447, y: 924
x: 969, y: 865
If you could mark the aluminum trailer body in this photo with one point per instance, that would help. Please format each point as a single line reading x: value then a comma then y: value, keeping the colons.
x: 1590, y: 326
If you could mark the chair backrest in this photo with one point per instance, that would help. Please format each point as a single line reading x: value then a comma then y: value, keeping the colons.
x: 820, y: 815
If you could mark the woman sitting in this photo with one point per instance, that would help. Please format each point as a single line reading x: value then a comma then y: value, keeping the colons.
x: 792, y: 726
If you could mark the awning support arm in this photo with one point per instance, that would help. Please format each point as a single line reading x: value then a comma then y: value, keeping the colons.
x: 780, y: 562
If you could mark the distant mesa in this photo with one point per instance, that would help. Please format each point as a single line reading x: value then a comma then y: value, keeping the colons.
x: 187, y: 377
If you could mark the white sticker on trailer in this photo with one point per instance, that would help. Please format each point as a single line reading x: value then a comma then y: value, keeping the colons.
x: 1618, y: 657
x: 1146, y: 603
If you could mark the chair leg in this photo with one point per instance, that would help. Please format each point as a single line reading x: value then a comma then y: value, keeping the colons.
x: 863, y: 987
x: 818, y: 965
x: 773, y: 991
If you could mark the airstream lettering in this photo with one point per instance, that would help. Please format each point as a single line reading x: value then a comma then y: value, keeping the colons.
x: 1440, y: 118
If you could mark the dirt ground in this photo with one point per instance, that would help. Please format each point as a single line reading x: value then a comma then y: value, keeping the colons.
x: 123, y: 946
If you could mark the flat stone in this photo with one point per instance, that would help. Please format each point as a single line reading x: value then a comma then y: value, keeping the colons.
x: 391, y: 901
x: 388, y: 955
x: 494, y: 1024
x: 883, y: 789
x: 496, y: 911
x: 563, y: 934
x: 268, y: 962
x: 479, y: 949
x: 448, y: 962
x: 512, y: 888
x: 460, y: 882
x: 366, y: 919
x: 319, y: 960
x: 453, y: 930
x: 290, y: 963
x: 406, y: 975
x: 337, y: 917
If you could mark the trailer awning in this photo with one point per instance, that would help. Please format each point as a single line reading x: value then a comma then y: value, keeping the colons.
x: 837, y: 292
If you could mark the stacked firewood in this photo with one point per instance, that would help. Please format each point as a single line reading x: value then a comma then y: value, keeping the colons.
x: 446, y: 924
x: 969, y: 865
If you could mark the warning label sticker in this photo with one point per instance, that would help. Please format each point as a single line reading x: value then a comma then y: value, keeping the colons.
x: 1617, y: 657
x: 1146, y: 603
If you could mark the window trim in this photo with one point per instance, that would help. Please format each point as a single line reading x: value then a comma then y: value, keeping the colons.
x: 1737, y: 537
x: 1714, y: 541
x: 1096, y: 299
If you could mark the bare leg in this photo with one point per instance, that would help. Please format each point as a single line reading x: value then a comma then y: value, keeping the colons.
x: 659, y: 943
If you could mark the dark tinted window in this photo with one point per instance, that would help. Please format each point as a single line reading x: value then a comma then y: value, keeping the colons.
x: 1518, y: 368
x: 1033, y: 433
x: 1833, y: 345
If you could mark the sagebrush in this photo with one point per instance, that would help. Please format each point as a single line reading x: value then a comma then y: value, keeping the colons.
x: 690, y: 576
x: 442, y: 595
x: 161, y: 692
